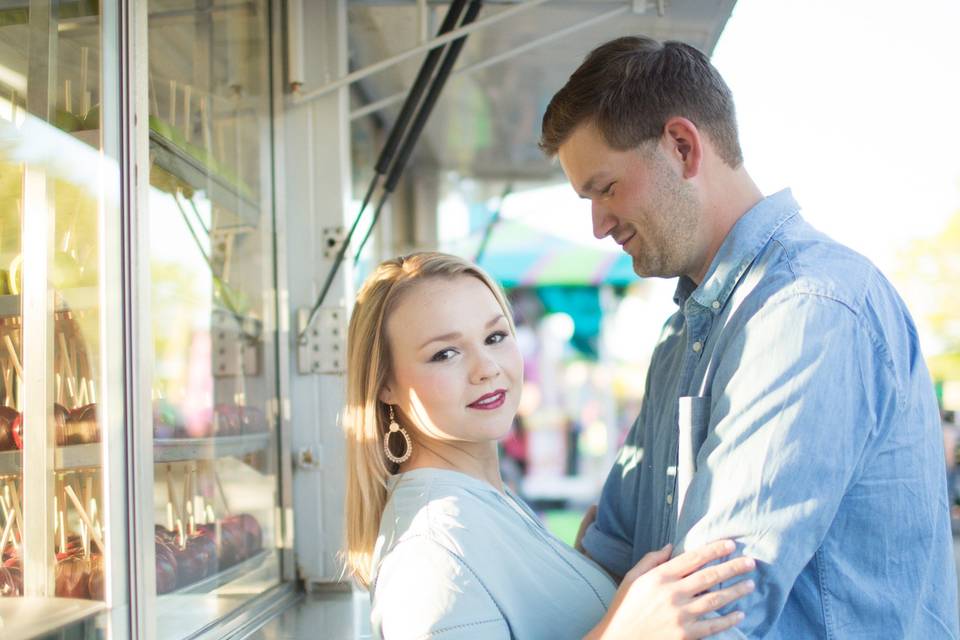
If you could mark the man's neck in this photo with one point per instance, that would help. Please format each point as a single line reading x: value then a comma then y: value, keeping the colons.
x: 727, y: 199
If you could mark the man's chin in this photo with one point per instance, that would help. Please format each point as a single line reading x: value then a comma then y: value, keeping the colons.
x: 648, y: 270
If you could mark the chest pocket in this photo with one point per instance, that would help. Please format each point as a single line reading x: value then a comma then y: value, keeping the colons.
x: 693, y: 417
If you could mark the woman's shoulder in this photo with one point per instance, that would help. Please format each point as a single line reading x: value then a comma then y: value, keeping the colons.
x: 436, y: 504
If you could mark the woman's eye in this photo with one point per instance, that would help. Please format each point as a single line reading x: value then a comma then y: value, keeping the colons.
x: 497, y: 337
x: 440, y: 356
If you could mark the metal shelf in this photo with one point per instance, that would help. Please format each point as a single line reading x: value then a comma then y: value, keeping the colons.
x: 225, y: 191
x: 185, y: 449
x: 217, y: 580
x: 78, y: 456
x: 86, y: 456
x: 73, y: 299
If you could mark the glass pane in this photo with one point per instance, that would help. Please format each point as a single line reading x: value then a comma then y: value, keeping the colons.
x: 211, y: 252
x: 56, y: 186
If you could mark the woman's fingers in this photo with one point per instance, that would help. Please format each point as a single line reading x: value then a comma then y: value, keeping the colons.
x: 704, y: 628
x: 689, y: 561
x: 706, y: 579
x: 649, y: 561
x: 713, y: 600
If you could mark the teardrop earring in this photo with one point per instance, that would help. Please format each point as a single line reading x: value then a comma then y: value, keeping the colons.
x: 407, y: 443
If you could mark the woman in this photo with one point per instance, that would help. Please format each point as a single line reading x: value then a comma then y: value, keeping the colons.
x: 434, y: 378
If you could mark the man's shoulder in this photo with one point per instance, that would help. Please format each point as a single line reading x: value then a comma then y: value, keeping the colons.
x: 800, y: 261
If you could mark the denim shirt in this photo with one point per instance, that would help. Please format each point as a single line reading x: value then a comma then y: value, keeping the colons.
x: 788, y: 407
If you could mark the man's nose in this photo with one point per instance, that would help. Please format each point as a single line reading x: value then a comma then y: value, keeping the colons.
x: 603, y: 222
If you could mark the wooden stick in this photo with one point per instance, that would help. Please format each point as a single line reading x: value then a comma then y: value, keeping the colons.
x: 187, y: 128
x: 13, y: 355
x: 172, y: 113
x: 182, y: 539
x: 85, y: 96
x: 67, y: 99
x: 65, y: 357
x: 15, y: 499
x: 223, y: 495
x: 63, y: 532
x: 171, y: 494
x: 6, y: 534
x: 7, y: 386
x: 83, y: 515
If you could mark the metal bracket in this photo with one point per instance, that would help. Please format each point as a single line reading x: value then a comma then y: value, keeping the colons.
x: 235, y: 350
x: 323, y: 347
x: 333, y: 238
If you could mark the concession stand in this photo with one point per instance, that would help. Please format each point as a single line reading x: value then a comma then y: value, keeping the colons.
x: 178, y: 184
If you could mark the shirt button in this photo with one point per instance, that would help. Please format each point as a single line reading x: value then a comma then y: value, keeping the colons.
x: 669, y: 498
x: 716, y: 304
x: 697, y: 346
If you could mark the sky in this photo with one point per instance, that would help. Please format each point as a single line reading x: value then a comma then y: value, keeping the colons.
x: 852, y: 104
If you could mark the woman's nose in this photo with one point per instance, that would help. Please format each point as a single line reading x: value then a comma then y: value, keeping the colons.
x: 485, y: 369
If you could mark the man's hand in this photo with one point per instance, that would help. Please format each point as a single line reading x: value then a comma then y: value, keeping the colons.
x: 661, y: 598
x: 588, y: 518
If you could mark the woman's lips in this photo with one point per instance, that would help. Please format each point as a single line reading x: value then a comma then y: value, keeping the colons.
x: 490, y: 401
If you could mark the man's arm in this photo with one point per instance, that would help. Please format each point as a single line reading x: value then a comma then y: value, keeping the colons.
x: 790, y: 416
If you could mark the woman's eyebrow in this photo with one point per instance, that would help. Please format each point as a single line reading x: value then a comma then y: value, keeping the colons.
x: 453, y: 336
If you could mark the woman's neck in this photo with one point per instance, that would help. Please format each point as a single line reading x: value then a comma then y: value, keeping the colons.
x: 477, y: 460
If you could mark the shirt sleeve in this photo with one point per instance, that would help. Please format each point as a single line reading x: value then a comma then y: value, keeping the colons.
x: 424, y: 591
x: 789, y: 420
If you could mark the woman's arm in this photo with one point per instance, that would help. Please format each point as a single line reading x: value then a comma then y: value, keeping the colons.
x: 663, y: 598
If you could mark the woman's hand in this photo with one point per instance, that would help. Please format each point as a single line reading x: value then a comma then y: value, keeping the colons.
x: 664, y: 598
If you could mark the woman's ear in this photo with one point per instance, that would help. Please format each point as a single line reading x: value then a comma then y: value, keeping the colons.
x: 386, y: 395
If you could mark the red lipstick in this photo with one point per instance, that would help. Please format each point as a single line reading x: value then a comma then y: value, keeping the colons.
x: 489, y: 401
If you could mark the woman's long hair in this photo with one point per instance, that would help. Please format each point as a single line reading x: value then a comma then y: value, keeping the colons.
x: 365, y: 418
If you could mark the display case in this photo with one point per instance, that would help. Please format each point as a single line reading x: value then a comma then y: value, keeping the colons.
x: 208, y: 518
x: 214, y: 383
x: 60, y: 538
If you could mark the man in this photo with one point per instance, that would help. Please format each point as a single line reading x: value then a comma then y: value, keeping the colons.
x: 787, y: 405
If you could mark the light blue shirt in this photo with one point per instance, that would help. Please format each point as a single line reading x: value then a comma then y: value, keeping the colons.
x: 456, y: 558
x: 788, y: 407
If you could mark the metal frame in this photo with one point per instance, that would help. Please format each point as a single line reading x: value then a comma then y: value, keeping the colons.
x: 500, y: 57
x: 280, y: 322
x: 315, y: 194
x: 137, y: 338
x: 112, y: 409
x: 37, y: 307
x: 403, y: 55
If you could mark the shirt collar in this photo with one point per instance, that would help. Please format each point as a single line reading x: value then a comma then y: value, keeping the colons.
x: 740, y: 248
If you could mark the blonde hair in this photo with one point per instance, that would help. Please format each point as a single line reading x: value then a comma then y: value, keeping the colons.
x: 365, y: 418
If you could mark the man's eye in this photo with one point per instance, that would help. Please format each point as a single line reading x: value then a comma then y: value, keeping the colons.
x: 607, y: 190
x: 497, y: 337
x: 441, y: 356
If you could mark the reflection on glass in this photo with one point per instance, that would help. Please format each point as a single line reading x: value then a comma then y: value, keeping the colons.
x: 211, y: 266
x: 52, y: 192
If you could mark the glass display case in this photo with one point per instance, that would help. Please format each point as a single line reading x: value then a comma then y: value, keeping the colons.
x: 212, y: 529
x: 212, y: 274
x: 58, y: 194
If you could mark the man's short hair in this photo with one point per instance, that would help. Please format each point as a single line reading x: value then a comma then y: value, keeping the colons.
x: 629, y: 87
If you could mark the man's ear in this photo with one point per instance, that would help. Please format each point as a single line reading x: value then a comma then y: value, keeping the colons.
x: 685, y: 144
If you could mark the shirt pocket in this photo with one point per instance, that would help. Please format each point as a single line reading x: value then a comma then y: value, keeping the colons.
x: 693, y: 418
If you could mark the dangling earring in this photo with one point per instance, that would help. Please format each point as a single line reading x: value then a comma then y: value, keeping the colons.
x: 408, y: 445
